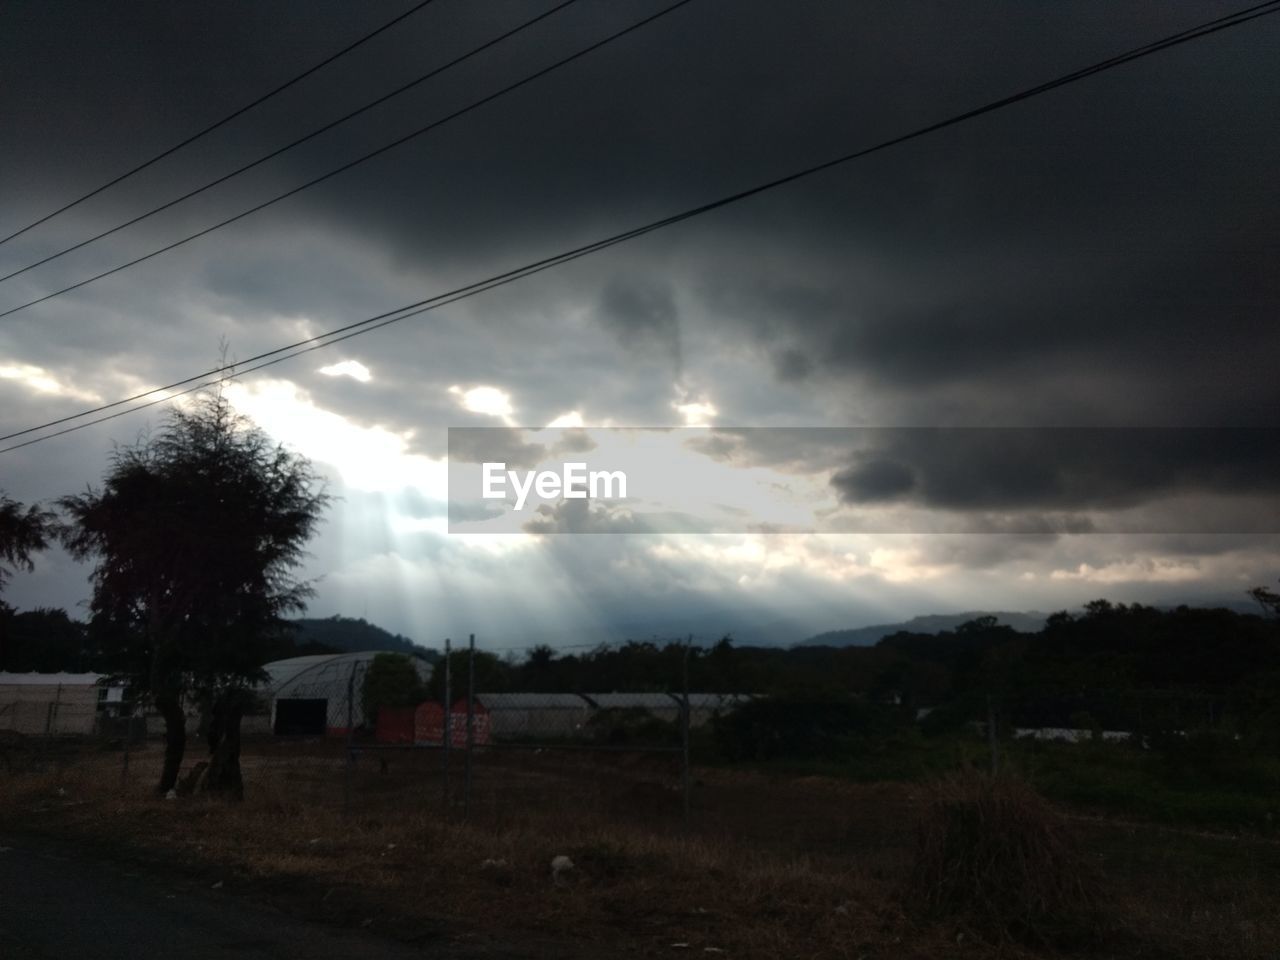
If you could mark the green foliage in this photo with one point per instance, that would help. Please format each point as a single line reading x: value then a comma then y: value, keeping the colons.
x: 46, y: 641
x: 391, y: 681
x: 632, y: 726
x: 1214, y: 757
x: 1212, y: 784
x: 492, y: 675
x: 954, y: 715
x: 772, y: 727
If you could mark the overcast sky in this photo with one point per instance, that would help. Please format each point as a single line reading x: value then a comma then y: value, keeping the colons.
x: 1101, y: 256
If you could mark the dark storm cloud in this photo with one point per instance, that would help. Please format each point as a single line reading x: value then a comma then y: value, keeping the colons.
x: 1099, y: 256
x: 874, y: 480
x: 976, y: 469
x: 1100, y: 247
x: 643, y: 315
x: 1026, y: 480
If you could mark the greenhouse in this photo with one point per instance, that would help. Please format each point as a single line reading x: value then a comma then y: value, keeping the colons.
x: 308, y: 696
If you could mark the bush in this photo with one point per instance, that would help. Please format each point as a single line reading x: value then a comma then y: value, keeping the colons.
x: 392, y: 681
x: 632, y: 725
x: 993, y: 855
x: 1214, y: 757
x: 954, y: 715
x: 784, y: 727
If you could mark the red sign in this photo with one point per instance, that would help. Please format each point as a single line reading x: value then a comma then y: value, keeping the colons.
x: 428, y: 725
x: 395, y: 725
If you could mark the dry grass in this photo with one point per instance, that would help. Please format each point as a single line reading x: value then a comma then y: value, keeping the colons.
x: 769, y: 868
x: 993, y: 855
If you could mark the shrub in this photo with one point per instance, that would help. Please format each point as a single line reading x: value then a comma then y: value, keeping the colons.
x: 632, y: 725
x: 392, y: 681
x: 1214, y: 757
x: 993, y: 855
x: 778, y: 727
x: 954, y: 715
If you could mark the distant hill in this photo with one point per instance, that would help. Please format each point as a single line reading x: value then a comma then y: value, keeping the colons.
x: 1028, y: 622
x: 347, y: 634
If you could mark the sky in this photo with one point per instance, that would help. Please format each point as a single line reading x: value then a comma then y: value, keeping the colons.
x: 1099, y: 258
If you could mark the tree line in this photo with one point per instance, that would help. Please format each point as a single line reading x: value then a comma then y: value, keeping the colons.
x: 1120, y: 666
x: 196, y: 533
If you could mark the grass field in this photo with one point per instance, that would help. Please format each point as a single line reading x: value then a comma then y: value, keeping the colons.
x: 771, y: 863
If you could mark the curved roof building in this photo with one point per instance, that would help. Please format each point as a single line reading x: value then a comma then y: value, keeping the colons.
x: 309, y: 695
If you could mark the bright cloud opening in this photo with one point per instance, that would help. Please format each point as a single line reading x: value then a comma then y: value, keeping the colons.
x: 571, y: 420
x: 348, y: 368
x: 489, y: 401
x: 39, y: 380
x: 369, y: 458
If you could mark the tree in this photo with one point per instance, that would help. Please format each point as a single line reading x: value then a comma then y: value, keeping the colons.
x: 45, y: 640
x: 492, y: 674
x: 196, y: 533
x: 23, y: 532
x: 391, y: 681
x: 1269, y: 600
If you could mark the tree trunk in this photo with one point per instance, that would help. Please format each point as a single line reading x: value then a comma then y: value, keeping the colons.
x: 223, y: 775
x: 175, y: 741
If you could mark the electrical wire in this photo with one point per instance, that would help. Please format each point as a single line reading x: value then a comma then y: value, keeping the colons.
x: 295, y: 143
x: 358, y: 160
x: 225, y: 120
x: 357, y: 328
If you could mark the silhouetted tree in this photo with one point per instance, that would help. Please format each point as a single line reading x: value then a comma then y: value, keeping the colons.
x: 1269, y: 600
x: 196, y: 533
x: 23, y: 531
x: 45, y: 640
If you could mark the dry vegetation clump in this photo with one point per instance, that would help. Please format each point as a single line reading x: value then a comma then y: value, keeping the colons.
x: 993, y: 856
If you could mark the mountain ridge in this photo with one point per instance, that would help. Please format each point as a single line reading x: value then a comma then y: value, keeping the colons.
x: 1023, y: 621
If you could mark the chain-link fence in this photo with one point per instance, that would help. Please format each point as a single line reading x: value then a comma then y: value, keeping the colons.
x: 488, y: 749
x: 39, y: 705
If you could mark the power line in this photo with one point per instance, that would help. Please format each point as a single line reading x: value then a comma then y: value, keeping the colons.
x: 359, y: 160
x: 357, y: 328
x: 298, y: 142
x: 225, y: 120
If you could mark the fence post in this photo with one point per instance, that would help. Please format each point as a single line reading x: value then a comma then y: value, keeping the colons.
x: 471, y: 720
x: 51, y: 712
x: 128, y: 742
x: 448, y: 718
x: 351, y: 756
x: 684, y: 731
x: 991, y: 736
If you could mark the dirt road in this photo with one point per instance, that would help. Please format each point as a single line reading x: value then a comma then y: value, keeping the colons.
x: 56, y: 902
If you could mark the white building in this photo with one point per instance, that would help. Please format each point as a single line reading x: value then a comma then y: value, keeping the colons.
x: 55, y: 703
x: 309, y: 695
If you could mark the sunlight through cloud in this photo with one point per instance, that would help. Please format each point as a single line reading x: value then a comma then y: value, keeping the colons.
x: 489, y: 401
x: 348, y: 368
